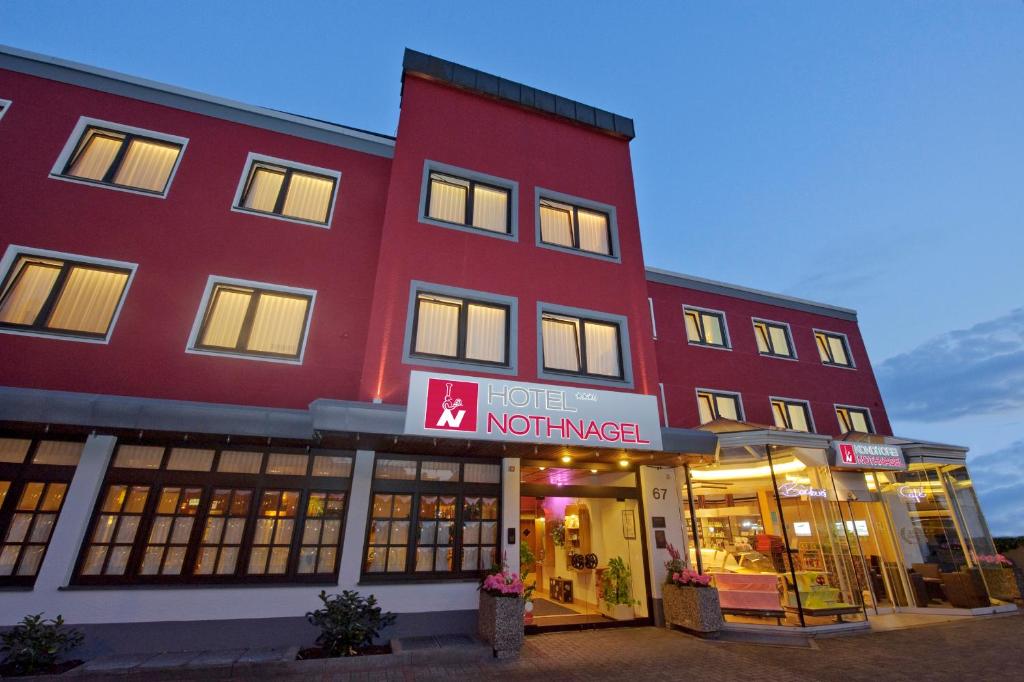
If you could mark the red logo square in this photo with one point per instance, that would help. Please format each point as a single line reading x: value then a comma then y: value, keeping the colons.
x: 846, y: 453
x: 451, y: 405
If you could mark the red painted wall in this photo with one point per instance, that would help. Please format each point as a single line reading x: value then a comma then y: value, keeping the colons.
x: 684, y: 367
x: 447, y: 125
x: 178, y: 242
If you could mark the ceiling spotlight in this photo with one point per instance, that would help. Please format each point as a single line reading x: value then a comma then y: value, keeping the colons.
x: 593, y: 471
x: 542, y: 468
x: 623, y: 462
x: 566, y: 458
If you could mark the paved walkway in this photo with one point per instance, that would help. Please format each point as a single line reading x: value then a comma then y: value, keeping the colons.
x: 975, y: 649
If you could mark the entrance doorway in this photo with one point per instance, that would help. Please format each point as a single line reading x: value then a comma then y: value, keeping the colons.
x: 582, y: 548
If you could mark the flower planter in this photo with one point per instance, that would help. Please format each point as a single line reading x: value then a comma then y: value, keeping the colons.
x: 618, y: 611
x: 500, y: 624
x: 694, y: 609
x: 1001, y: 582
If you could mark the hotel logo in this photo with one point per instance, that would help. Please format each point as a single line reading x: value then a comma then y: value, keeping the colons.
x: 451, y: 405
x: 847, y: 454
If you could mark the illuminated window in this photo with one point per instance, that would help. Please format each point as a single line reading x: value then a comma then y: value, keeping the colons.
x: 773, y: 339
x: 575, y: 227
x: 794, y: 415
x: 705, y: 327
x: 5, y: 106
x: 460, y: 329
x: 714, y: 405
x: 289, y: 190
x: 467, y: 202
x: 434, y: 518
x: 250, y: 319
x: 575, y: 345
x: 120, y: 156
x: 854, y: 419
x: 217, y: 516
x: 833, y: 349
x: 47, y: 293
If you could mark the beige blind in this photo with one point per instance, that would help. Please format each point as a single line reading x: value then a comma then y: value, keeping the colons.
x: 58, y: 452
x: 88, y: 300
x: 692, y: 329
x: 556, y: 224
x: 138, y: 457
x: 780, y: 343
x: 823, y: 348
x: 859, y: 422
x: 797, y: 417
x: 490, y: 208
x: 278, y: 323
x: 602, y: 349
x: 190, y: 459
x: 437, y: 328
x: 761, y: 335
x: 224, y: 321
x: 24, y: 298
x: 309, y: 197
x: 726, y: 407
x: 485, y: 333
x: 561, y: 344
x: 704, y: 408
x: 147, y: 165
x: 96, y: 154
x: 237, y: 462
x: 838, y: 349
x: 264, y: 188
x: 13, y: 450
x: 448, y: 199
x: 712, y: 329
x: 593, y: 231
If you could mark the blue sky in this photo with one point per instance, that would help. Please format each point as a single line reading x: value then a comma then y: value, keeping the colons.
x: 868, y: 154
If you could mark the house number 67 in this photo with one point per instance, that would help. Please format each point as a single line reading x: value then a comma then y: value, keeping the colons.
x: 659, y: 493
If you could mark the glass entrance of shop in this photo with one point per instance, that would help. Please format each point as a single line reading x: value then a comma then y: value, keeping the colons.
x: 581, y: 548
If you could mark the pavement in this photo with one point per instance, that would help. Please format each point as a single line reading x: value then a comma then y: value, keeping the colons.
x: 967, y: 649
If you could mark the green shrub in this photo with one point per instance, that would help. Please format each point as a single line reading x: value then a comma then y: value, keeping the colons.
x: 347, y: 622
x: 616, y: 582
x: 1006, y: 544
x: 35, y: 644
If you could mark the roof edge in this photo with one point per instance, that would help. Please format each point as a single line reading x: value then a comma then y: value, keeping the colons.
x: 746, y: 293
x: 74, y: 73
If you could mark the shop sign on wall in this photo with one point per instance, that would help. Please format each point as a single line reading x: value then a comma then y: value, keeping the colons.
x: 790, y: 489
x: 455, y: 406
x: 867, y: 456
x: 912, y: 493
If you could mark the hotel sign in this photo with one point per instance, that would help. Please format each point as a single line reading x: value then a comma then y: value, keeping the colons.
x: 454, y: 406
x: 867, y: 456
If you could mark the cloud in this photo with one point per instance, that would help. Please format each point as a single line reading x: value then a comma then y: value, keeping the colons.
x: 999, y: 480
x: 974, y: 371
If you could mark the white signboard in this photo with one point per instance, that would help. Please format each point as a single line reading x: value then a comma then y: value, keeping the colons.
x: 867, y: 456
x: 453, y: 406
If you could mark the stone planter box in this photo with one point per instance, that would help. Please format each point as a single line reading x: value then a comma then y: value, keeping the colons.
x: 500, y: 624
x: 618, y: 611
x: 1001, y: 582
x: 694, y: 609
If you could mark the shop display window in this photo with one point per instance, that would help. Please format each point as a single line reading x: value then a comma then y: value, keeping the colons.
x: 34, y: 479
x: 432, y: 518
x: 190, y: 515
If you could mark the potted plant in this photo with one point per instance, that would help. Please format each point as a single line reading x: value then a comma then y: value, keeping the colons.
x: 689, y: 599
x: 502, y: 608
x: 1000, y: 577
x: 616, y: 590
x: 558, y: 534
x: 527, y: 561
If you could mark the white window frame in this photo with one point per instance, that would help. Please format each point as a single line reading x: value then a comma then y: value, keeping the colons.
x: 84, y: 122
x: 654, y: 323
x: 846, y: 342
x: 789, y: 337
x: 254, y: 157
x: 725, y: 328
x: 806, y: 404
x: 12, y: 254
x: 214, y: 280
x: 741, y: 413
x: 5, y: 106
x: 859, y: 408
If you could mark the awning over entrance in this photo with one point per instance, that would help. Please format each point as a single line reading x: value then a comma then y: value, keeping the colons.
x: 914, y: 449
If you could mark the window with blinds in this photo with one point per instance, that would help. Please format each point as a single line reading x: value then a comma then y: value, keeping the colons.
x: 794, y: 415
x: 575, y: 227
x: 185, y: 514
x: 460, y: 329
x: 833, y: 349
x: 773, y: 339
x: 120, y: 156
x: 712, y: 405
x: 576, y: 345
x: 288, y: 190
x: 705, y: 327
x: 253, y: 320
x: 50, y: 293
x: 467, y: 202
x: 854, y: 419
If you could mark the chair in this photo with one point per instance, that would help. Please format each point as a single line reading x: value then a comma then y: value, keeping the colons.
x: 965, y: 589
x: 932, y: 580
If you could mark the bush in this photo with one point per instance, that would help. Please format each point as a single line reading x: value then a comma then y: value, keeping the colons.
x: 34, y: 645
x: 1006, y: 544
x: 348, y: 622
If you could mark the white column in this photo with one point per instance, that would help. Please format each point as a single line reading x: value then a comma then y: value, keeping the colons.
x: 73, y: 523
x: 353, y: 549
x: 661, y: 492
x: 510, y: 512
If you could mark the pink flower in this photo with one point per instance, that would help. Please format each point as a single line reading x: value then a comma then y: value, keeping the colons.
x: 503, y: 584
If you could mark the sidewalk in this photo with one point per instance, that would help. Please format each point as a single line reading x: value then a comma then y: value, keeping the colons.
x: 977, y: 648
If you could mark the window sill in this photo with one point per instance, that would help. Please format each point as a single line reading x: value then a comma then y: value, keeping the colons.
x: 41, y: 334
x: 586, y: 380
x: 712, y: 346
x: 580, y: 252
x: 832, y: 364
x: 779, y: 357
x: 246, y: 356
x: 406, y: 579
x: 199, y: 586
x: 508, y: 370
x: 116, y: 188
x: 512, y: 236
x: 287, y: 219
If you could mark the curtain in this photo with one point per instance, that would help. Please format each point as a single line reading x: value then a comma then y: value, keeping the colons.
x: 282, y: 464
x: 190, y: 459
x: 88, y: 300
x: 138, y: 457
x: 712, y: 329
x: 823, y: 348
x: 147, y: 165
x: 264, y: 187
x: 324, y: 465
x: 490, y: 208
x: 726, y: 407
x: 704, y: 408
x: 593, y: 231
x: 781, y: 418
x: 561, y: 343
x: 437, y: 329
x: 692, y: 328
x: 278, y: 324
x: 485, y: 333
x: 556, y: 224
x: 482, y: 473
x: 838, y: 349
x: 96, y: 154
x: 309, y: 197
x: 448, y: 199
x: 857, y: 421
x: 224, y: 320
x: 13, y: 450
x: 780, y: 343
x: 602, y: 348
x: 59, y: 452
x: 32, y: 282
x: 797, y: 417
x: 761, y: 335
